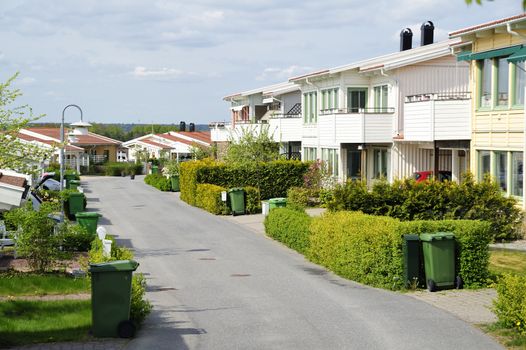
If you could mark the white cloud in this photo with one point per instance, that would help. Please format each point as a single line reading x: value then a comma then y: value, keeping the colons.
x: 160, y: 73
x: 27, y: 81
x: 272, y: 73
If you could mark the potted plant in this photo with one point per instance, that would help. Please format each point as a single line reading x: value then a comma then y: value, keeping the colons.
x: 171, y: 171
x: 132, y: 170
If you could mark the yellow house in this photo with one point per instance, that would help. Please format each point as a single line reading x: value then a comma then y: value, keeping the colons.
x: 496, y: 51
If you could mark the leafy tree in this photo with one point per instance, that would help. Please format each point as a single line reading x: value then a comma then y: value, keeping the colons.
x: 252, y: 147
x: 16, y: 154
x: 200, y: 152
x: 113, y: 131
x: 479, y: 2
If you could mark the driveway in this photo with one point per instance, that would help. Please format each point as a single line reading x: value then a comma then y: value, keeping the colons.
x: 217, y: 285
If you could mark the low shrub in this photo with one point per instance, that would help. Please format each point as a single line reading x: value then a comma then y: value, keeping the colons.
x: 303, y: 197
x: 291, y: 227
x: 433, y: 200
x: 252, y: 200
x: 75, y: 238
x: 115, y: 169
x: 208, y: 197
x: 510, y: 305
x: 158, y: 181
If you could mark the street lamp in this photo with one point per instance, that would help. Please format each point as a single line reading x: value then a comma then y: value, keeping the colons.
x: 62, y: 144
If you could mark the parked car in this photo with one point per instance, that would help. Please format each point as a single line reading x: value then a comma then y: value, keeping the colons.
x: 47, y: 182
x: 421, y: 176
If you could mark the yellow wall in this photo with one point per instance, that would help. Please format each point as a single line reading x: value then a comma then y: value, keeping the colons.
x: 99, y: 150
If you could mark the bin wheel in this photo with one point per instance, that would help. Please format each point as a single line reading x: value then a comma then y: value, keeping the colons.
x: 126, y: 329
x: 234, y: 213
x: 458, y: 282
x: 431, y: 285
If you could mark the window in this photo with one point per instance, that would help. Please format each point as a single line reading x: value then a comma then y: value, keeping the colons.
x: 356, y: 99
x: 501, y: 168
x: 329, y: 99
x: 520, y: 80
x: 310, y: 153
x: 484, y: 163
x: 310, y: 113
x: 502, y: 81
x: 380, y: 98
x: 517, y: 175
x: 380, y: 163
x: 485, y: 83
x: 331, y: 156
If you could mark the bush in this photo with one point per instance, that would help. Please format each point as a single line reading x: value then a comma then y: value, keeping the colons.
x: 158, y: 181
x: 291, y: 227
x: 252, y: 200
x: 208, y: 197
x: 115, y: 169
x: 303, y: 197
x: 510, y: 305
x: 75, y: 238
x: 273, y: 179
x: 433, y: 200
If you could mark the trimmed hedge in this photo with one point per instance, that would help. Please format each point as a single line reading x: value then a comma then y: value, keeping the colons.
x: 510, y: 305
x: 273, y: 179
x: 252, y: 200
x: 433, y: 200
x: 158, y: 181
x: 303, y: 197
x: 208, y: 197
x: 368, y: 249
x: 291, y: 227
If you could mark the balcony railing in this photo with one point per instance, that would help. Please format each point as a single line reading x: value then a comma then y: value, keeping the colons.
x: 353, y: 110
x: 465, y: 95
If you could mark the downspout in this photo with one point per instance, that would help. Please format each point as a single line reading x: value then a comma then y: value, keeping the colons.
x: 512, y: 32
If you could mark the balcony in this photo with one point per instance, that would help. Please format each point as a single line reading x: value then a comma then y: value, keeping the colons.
x: 356, y: 125
x: 436, y: 117
x: 286, y: 127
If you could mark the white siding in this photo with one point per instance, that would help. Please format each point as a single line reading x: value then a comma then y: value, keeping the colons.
x: 408, y: 158
x: 418, y: 121
x: 289, y: 100
x: 453, y: 120
x: 286, y: 129
x: 355, y: 128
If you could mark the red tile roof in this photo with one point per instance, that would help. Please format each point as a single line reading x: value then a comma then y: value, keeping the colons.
x: 51, y: 143
x: 175, y: 138
x: 198, y: 135
x: 487, y: 24
x: 156, y: 144
x: 90, y: 139
x: 13, y: 180
x: 309, y: 74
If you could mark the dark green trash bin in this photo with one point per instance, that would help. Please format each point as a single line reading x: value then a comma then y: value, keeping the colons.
x: 155, y: 169
x: 111, y: 298
x: 75, y: 203
x: 277, y: 203
x: 439, y: 260
x: 88, y: 220
x: 68, y: 178
x: 73, y: 184
x: 237, y: 200
x: 175, y: 183
x: 413, y: 267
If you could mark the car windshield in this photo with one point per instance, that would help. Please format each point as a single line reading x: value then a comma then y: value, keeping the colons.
x: 417, y: 176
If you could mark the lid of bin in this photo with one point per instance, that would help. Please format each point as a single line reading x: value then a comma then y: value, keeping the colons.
x: 428, y: 237
x: 277, y: 200
x: 87, y: 214
x: 235, y: 189
x: 410, y: 237
x: 76, y: 194
x: 75, y: 182
x: 112, y: 266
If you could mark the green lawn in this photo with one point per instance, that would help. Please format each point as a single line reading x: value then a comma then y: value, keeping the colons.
x: 17, y: 284
x: 506, y: 261
x: 27, y: 322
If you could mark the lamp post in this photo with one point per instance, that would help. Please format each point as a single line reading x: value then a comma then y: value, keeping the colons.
x: 62, y: 144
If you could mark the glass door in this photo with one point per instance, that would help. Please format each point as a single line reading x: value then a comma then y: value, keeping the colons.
x: 356, y: 99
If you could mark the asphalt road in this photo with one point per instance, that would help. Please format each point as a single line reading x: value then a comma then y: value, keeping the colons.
x: 217, y: 285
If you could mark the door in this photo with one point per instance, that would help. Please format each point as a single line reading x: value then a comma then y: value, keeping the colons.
x: 356, y: 99
x: 354, y: 164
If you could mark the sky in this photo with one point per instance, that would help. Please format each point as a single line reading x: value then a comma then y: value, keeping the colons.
x: 149, y: 61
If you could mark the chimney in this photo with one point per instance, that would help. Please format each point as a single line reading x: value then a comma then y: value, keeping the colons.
x: 182, y: 126
x: 406, y: 39
x: 426, y: 33
x: 191, y: 127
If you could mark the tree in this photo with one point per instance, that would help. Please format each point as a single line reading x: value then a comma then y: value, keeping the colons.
x: 16, y: 154
x: 252, y: 146
x: 479, y: 2
x: 199, y: 151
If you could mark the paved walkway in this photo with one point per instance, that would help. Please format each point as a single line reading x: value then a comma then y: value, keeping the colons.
x: 473, y: 306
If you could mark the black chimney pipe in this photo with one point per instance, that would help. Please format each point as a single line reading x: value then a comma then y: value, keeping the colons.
x: 406, y: 39
x: 191, y: 127
x: 182, y: 126
x: 426, y: 33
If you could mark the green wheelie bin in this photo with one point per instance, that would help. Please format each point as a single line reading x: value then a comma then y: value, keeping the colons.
x: 237, y: 200
x: 111, y: 298
x: 439, y: 260
x: 73, y: 184
x: 155, y: 169
x: 413, y: 264
x: 88, y: 220
x: 277, y: 203
x: 68, y: 178
x: 75, y: 204
x: 175, y: 183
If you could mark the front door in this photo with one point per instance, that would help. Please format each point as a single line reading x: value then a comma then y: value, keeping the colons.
x: 354, y: 164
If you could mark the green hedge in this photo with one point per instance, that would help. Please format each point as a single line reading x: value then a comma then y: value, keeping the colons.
x: 273, y: 179
x: 158, y: 181
x: 368, y: 249
x: 303, y: 197
x: 510, y: 305
x: 291, y: 227
x: 433, y: 200
x: 208, y: 197
x: 252, y: 200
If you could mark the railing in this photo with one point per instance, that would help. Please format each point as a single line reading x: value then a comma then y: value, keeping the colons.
x: 97, y: 159
x: 291, y: 155
x: 281, y: 115
x: 353, y: 110
x: 447, y: 96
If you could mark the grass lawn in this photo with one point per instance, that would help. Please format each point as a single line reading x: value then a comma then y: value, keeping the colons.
x: 507, y: 337
x: 17, y: 284
x: 26, y: 322
x: 506, y: 261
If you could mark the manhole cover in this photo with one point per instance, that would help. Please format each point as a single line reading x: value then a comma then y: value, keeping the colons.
x: 163, y: 289
x: 207, y: 258
x: 240, y: 275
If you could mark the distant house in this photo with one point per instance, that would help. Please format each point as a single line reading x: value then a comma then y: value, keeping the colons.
x: 82, y: 148
x: 171, y: 145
